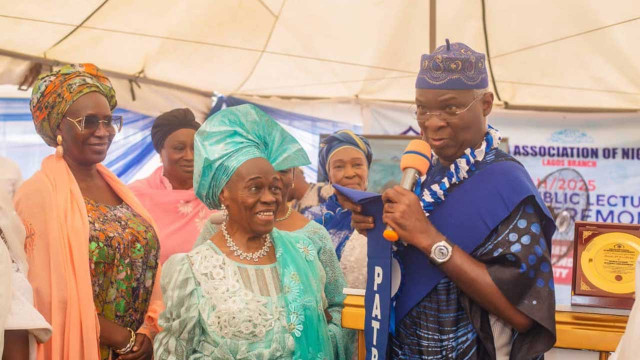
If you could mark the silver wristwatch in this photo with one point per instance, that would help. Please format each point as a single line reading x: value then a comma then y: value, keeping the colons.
x: 441, y: 252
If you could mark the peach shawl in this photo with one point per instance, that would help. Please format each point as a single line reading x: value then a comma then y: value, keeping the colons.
x: 57, y: 245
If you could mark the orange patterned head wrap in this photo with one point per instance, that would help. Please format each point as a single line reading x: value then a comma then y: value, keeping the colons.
x: 54, y: 92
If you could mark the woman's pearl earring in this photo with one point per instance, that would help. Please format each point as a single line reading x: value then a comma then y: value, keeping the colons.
x: 226, y: 213
x: 59, y: 149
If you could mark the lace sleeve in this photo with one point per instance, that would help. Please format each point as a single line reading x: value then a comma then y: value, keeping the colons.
x: 23, y: 315
x: 181, y: 332
x: 342, y: 339
x: 5, y: 283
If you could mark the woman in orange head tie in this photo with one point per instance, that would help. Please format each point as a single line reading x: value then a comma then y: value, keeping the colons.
x: 91, y: 247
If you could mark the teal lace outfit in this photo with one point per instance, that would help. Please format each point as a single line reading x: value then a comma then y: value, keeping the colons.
x: 342, y: 340
x: 217, y: 308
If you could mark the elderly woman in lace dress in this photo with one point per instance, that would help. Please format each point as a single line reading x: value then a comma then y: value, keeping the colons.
x: 288, y: 219
x: 344, y: 159
x: 251, y: 291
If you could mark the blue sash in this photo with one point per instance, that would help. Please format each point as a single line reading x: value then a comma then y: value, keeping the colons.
x: 480, y: 203
x: 377, y: 300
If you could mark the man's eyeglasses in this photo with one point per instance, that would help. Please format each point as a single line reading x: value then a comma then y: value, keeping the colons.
x: 112, y: 123
x: 451, y: 111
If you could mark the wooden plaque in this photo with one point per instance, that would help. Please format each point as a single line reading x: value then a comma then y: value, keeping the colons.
x: 604, y: 259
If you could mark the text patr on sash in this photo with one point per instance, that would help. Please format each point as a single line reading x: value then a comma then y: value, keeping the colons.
x: 377, y: 299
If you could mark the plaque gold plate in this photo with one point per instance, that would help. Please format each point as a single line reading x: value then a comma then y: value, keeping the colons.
x: 608, y: 262
x: 604, y: 264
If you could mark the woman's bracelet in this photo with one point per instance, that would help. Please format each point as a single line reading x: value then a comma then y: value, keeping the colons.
x: 129, y: 346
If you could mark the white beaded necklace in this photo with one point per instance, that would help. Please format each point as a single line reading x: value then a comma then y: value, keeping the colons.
x: 459, y: 170
x: 255, y: 256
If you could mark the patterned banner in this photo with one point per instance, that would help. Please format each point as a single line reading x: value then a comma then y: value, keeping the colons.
x: 586, y: 167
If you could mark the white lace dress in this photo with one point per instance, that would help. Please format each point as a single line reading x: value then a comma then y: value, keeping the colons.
x: 342, y: 339
x: 220, y: 309
x: 16, y: 302
x: 17, y: 311
x: 354, y: 261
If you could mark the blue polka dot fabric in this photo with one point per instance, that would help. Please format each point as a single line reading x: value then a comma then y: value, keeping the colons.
x: 517, y: 258
x: 535, y: 227
x: 522, y: 268
x: 545, y: 267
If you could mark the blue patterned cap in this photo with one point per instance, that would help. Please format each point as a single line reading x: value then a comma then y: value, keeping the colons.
x: 453, y: 67
x: 232, y: 136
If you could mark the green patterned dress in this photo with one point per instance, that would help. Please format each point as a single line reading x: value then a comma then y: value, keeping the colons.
x: 123, y: 259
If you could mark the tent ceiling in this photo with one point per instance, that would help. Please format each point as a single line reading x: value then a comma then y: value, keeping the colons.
x: 573, y: 53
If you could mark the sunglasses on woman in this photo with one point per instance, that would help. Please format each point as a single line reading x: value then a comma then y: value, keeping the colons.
x: 111, y: 123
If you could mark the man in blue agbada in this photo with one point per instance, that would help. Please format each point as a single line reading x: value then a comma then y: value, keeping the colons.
x: 476, y: 281
x: 251, y: 291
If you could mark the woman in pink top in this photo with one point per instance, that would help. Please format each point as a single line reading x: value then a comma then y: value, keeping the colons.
x: 168, y: 193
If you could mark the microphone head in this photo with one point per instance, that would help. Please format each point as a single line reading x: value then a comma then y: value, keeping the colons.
x: 417, y: 156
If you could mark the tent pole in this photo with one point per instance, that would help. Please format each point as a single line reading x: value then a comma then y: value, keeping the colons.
x: 77, y: 27
x: 486, y: 44
x: 432, y: 25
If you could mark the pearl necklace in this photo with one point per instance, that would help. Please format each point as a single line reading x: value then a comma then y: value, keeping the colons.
x: 243, y: 255
x: 286, y: 216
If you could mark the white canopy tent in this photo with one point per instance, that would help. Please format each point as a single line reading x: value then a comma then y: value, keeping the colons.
x: 578, y: 54
x: 353, y: 61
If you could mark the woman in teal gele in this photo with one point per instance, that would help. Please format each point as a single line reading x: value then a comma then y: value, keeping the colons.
x: 251, y: 291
